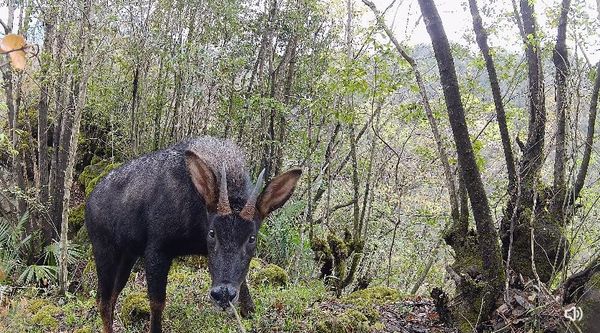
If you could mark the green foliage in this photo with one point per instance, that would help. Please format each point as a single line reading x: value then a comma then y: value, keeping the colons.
x: 14, y: 244
x: 6, y: 145
x: 35, y: 273
x: 74, y: 253
x: 48, y: 272
x: 280, y: 240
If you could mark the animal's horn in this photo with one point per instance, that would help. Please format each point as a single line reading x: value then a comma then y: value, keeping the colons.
x: 223, y: 207
x: 250, y: 208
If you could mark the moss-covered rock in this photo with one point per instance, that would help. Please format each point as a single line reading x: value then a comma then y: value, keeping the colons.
x: 271, y: 274
x: 376, y: 295
x: 367, y: 299
x: 76, y: 219
x: 92, y: 170
x: 46, y: 318
x: 93, y: 174
x: 350, y: 321
x: 135, y: 307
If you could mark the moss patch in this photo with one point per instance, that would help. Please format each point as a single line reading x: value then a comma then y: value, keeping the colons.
x: 46, y: 317
x: 194, y: 262
x: 76, y: 219
x: 350, y: 321
x: 84, y: 329
x: 271, y: 274
x: 93, y: 174
x: 376, y: 295
x: 36, y: 304
x: 136, y: 307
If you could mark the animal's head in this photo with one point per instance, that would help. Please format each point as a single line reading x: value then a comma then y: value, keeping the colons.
x: 232, y: 235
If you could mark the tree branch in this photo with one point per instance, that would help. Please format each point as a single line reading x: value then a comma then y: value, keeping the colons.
x: 4, y: 26
x: 587, y: 152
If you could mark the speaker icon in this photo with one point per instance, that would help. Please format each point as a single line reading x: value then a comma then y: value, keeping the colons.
x: 573, y: 313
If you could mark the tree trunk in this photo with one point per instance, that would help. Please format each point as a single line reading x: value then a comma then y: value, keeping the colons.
x: 482, y: 42
x: 78, y: 103
x: 486, y: 233
x: 43, y: 163
x: 545, y: 217
x: 561, y: 62
x: 532, y: 160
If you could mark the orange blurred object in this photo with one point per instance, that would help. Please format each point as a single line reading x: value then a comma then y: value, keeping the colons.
x: 14, y: 45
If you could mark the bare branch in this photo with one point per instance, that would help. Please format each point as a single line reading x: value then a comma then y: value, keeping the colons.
x: 4, y: 26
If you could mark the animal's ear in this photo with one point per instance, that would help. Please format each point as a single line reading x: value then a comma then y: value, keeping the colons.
x: 277, y: 192
x: 203, y: 178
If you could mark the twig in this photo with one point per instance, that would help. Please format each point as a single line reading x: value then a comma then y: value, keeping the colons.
x: 238, y: 319
x: 5, y: 26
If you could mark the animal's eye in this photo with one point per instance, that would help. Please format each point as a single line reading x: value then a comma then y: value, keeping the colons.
x: 211, y: 233
x: 252, y: 239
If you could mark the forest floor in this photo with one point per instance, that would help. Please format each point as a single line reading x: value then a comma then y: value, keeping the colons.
x: 281, y: 306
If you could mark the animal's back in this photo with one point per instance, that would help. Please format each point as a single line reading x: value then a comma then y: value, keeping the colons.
x: 151, y: 200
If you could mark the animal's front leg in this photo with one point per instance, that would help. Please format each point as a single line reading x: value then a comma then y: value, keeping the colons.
x: 157, y: 269
x: 246, y: 303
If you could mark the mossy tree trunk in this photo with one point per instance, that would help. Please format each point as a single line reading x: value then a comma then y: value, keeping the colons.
x: 534, y: 204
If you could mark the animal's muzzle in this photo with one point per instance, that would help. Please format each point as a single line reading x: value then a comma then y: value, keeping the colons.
x: 224, y: 294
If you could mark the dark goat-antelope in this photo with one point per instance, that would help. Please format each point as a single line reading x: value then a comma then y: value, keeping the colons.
x: 192, y: 198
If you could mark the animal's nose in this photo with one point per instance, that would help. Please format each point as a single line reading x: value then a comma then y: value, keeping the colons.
x: 223, y: 294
